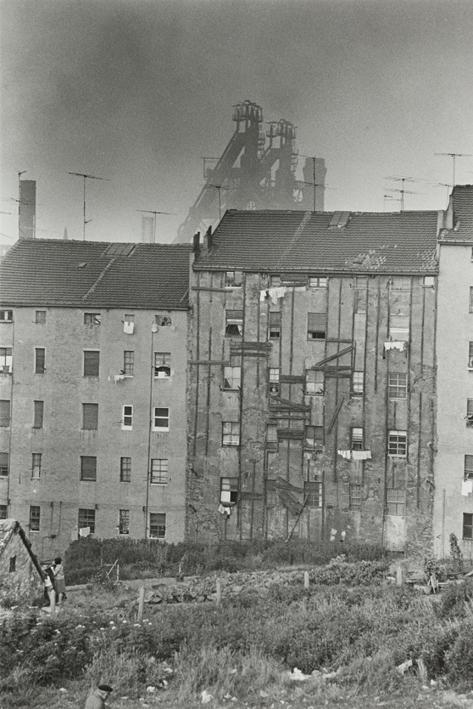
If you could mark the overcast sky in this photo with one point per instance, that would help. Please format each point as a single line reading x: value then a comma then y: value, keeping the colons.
x: 137, y: 91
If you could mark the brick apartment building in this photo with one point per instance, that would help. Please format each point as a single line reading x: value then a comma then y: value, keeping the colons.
x: 93, y: 357
x: 312, y: 378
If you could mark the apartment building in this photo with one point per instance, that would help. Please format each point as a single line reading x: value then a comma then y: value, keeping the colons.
x: 93, y: 356
x: 453, y: 509
x: 312, y: 378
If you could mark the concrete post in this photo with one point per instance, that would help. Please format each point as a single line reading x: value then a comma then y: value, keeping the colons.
x: 141, y: 600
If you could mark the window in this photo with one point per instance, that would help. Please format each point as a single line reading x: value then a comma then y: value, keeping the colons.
x: 161, y: 419
x: 271, y: 433
x: 86, y: 520
x: 91, y: 363
x: 273, y: 379
x: 3, y: 512
x: 157, y: 525
x: 231, y: 377
x: 358, y: 382
x: 233, y: 279
x: 317, y: 282
x: 468, y: 467
x: 397, y: 443
x: 12, y: 565
x: 355, y: 496
x: 467, y: 525
x: 6, y: 359
x: 313, y: 435
x: 127, y: 417
x: 228, y: 491
x: 396, y: 502
x: 470, y: 355
x: 90, y: 417
x: 230, y: 433
x: 233, y: 323
x: 4, y: 413
x: 469, y: 413
x: 88, y: 468
x: 40, y: 317
x: 162, y: 320
x: 39, y: 359
x: 92, y: 319
x: 357, y: 439
x: 3, y: 465
x: 399, y: 328
x: 471, y: 299
x: 124, y: 522
x: 159, y: 471
x: 313, y: 494
x: 360, y: 295
x: 400, y: 283
x: 162, y: 364
x: 35, y: 517
x: 314, y: 382
x: 274, y: 325
x: 316, y: 326
x: 128, y: 363
x: 429, y: 281
x: 129, y: 323
x: 38, y: 412
x: 397, y: 385
x: 274, y: 281
x: 36, y: 466
x: 6, y: 315
x: 125, y: 469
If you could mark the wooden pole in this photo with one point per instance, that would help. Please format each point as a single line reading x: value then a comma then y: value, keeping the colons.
x: 306, y: 580
x: 141, y: 600
x: 219, y: 592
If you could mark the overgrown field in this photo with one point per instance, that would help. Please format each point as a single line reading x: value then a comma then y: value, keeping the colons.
x: 350, y: 631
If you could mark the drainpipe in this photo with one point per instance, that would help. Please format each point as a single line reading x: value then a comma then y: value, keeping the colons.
x: 148, y: 456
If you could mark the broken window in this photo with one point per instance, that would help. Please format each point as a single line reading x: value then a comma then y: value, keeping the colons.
x: 314, y: 435
x: 357, y: 384
x: 128, y: 363
x: 357, y: 439
x: 228, y: 491
x: 159, y: 471
x: 91, y: 363
x: 38, y: 412
x: 3, y: 465
x: 233, y: 279
x: 274, y: 325
x: 161, y: 419
x: 162, y: 365
x: 88, y: 468
x: 40, y: 317
x: 157, y: 525
x: 230, y: 433
x: 6, y: 315
x: 273, y: 379
x: 86, y: 519
x: 399, y: 328
x: 397, y: 443
x: 317, y: 282
x: 4, y: 413
x: 231, y: 377
x: 316, y: 326
x: 124, y: 522
x: 90, y: 417
x: 35, y: 518
x: 234, y: 323
x: 314, y: 382
x: 39, y: 360
x: 92, y: 319
x: 397, y: 385
x: 125, y: 469
x: 468, y: 467
x: 469, y: 413
x: 163, y: 320
x: 6, y: 359
x: 127, y: 417
x: 470, y: 355
x: 313, y: 494
x: 467, y: 525
x: 36, y: 466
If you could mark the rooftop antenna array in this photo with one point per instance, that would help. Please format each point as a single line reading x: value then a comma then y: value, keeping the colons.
x: 155, y: 213
x: 85, y: 177
x: 402, y: 191
x: 454, y: 156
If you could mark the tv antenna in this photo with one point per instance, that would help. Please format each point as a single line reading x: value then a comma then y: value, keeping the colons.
x: 454, y: 156
x: 387, y: 197
x: 155, y: 213
x: 443, y: 184
x: 85, y: 177
x: 219, y: 189
x: 402, y: 191
x: 313, y: 183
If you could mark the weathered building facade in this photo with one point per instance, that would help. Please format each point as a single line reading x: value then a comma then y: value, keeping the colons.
x: 453, y: 510
x: 312, y: 378
x: 93, y: 341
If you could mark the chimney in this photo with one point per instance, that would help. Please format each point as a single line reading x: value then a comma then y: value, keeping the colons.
x: 196, y: 243
x: 65, y: 236
x: 147, y: 229
x: 27, y: 210
x: 208, y: 239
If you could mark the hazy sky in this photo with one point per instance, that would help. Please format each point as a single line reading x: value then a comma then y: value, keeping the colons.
x: 137, y: 91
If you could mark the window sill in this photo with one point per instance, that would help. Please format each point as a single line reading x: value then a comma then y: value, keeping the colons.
x: 160, y: 430
x: 397, y: 455
x: 127, y: 428
x: 163, y: 484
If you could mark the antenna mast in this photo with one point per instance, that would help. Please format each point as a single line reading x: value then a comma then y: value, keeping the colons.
x: 85, y: 178
x: 454, y: 156
x: 154, y: 212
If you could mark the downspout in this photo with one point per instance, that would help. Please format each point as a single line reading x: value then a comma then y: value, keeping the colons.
x: 150, y: 415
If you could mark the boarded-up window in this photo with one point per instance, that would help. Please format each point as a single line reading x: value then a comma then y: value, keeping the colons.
x: 231, y: 377
x: 467, y: 525
x: 88, y: 468
x: 124, y: 522
x: 3, y: 465
x: 91, y: 363
x: 90, y: 417
x: 38, y: 412
x: 233, y: 323
x: 228, y: 491
x: 274, y: 325
x: 316, y: 326
x: 4, y: 412
x: 157, y: 525
x: 86, y: 518
x: 35, y: 518
x: 39, y: 360
x: 125, y: 469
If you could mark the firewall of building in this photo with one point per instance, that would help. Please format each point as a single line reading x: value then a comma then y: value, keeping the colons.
x: 311, y: 397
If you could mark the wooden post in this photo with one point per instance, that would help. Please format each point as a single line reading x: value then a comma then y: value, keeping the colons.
x: 219, y: 592
x: 141, y: 600
x: 52, y: 600
x: 399, y: 575
x: 306, y: 580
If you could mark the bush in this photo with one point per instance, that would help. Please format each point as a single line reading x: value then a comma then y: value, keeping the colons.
x: 459, y: 658
x: 454, y: 599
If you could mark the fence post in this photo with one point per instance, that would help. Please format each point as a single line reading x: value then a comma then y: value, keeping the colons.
x: 141, y: 600
x: 399, y: 575
x: 219, y: 592
x: 306, y: 580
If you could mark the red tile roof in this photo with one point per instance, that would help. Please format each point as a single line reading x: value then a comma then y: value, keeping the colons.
x: 50, y: 272
x: 293, y: 240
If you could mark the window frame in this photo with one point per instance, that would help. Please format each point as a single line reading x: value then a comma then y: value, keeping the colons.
x: 125, y: 469
x: 92, y: 407
x: 395, y: 388
x: 38, y: 414
x: 127, y: 417
x: 6, y: 315
x: 161, y: 364
x: 89, y: 514
x: 159, y: 471
x: 88, y: 475
x: 124, y: 522
x: 313, y: 493
x: 4, y: 418
x: 36, y: 465
x: 232, y: 320
x: 399, y: 332
x: 357, y: 436
x: 233, y: 279
x: 40, y: 317
x: 160, y: 417
x: 128, y: 363
x: 315, y: 333
x: 39, y: 366
x: 230, y: 381
x: 468, y: 466
x: 157, y: 522
x: 87, y: 362
x: 92, y: 319
x: 34, y: 523
x: 318, y: 282
x: 358, y: 383
x: 274, y: 325
x: 6, y: 359
x: 4, y: 464
x: 467, y: 526
x: 3, y: 511
x: 314, y: 387
x: 469, y: 413
x: 228, y: 490
x: 229, y: 435
x: 470, y: 309
x: 395, y: 445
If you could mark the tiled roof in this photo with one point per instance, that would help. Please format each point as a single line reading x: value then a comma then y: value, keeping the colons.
x: 52, y: 272
x: 462, y: 199
x: 294, y: 240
